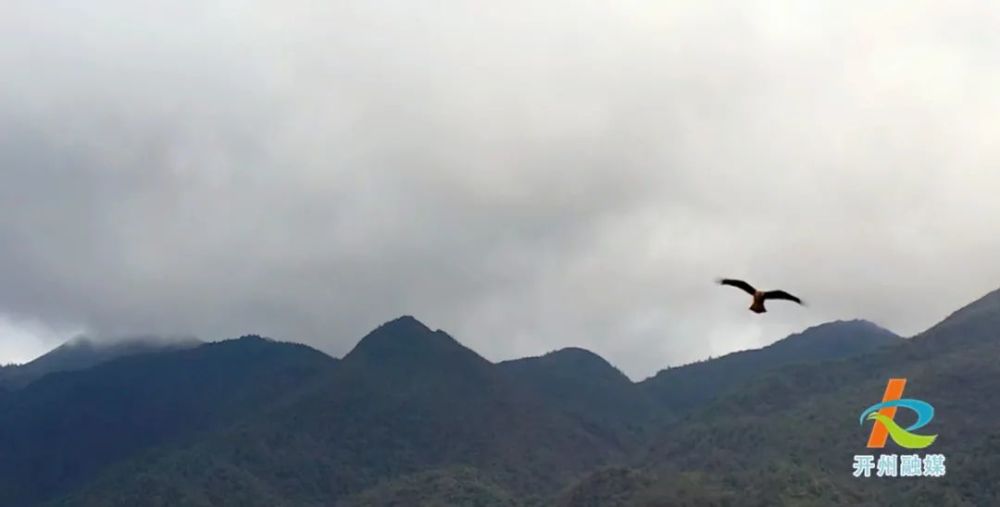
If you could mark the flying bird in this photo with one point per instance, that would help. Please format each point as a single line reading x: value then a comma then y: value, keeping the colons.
x: 759, y: 296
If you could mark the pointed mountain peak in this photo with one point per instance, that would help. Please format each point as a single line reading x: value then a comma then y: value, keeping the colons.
x: 403, y: 324
x: 406, y: 337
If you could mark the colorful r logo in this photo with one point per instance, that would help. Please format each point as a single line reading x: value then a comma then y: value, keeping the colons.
x: 884, y: 416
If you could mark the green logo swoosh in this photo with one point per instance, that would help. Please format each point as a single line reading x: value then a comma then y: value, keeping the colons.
x: 902, y: 437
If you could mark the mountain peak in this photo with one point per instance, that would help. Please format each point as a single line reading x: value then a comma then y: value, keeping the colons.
x: 838, y: 338
x: 571, y: 362
x: 582, y: 359
x: 842, y: 326
x: 404, y: 323
x: 405, y: 337
x: 583, y: 384
x: 575, y: 352
x: 252, y: 338
x: 694, y: 384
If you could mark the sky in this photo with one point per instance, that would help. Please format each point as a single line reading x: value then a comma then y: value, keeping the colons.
x: 526, y: 175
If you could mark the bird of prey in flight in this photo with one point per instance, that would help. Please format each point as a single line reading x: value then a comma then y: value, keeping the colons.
x: 759, y: 296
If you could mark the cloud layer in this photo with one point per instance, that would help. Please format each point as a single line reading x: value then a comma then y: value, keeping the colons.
x: 527, y: 176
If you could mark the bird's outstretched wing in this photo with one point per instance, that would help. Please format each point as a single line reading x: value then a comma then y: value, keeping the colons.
x: 739, y: 284
x: 780, y: 294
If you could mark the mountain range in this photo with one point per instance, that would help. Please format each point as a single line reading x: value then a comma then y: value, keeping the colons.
x: 412, y: 417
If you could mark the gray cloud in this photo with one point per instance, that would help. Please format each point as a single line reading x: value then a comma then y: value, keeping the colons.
x: 526, y: 176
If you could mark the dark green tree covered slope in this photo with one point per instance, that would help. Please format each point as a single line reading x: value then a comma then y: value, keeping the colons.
x: 412, y: 417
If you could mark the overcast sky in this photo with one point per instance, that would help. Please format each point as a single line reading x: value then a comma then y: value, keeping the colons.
x: 526, y: 175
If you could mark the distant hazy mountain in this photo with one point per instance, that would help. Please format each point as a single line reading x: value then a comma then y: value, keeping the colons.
x: 693, y: 385
x: 412, y: 417
x: 81, y: 353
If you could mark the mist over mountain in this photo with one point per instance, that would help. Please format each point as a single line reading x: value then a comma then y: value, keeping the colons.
x: 82, y: 352
x: 60, y: 430
x: 442, y: 253
x: 410, y: 416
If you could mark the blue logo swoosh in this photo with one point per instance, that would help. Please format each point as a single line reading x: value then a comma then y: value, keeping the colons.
x: 924, y: 410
